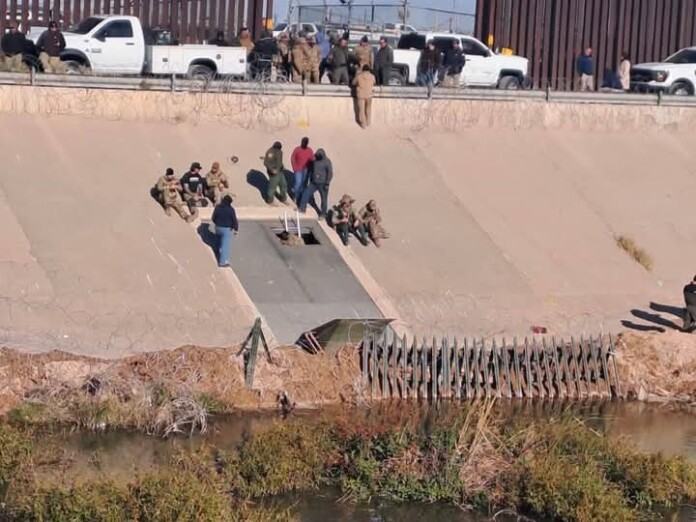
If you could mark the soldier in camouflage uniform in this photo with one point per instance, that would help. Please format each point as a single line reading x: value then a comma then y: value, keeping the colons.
x: 217, y: 184
x: 312, y: 60
x: 346, y: 221
x: 283, y: 62
x: 299, y: 57
x: 169, y: 195
x: 372, y: 219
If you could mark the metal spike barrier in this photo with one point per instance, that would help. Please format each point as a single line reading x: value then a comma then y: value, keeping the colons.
x: 440, y: 370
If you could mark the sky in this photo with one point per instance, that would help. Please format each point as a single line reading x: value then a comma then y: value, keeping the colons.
x: 417, y: 17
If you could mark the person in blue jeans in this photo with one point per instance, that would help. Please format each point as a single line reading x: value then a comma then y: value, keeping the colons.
x: 301, y: 159
x: 225, y: 220
x: 320, y: 176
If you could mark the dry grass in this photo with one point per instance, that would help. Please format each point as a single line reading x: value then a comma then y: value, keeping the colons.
x: 628, y: 245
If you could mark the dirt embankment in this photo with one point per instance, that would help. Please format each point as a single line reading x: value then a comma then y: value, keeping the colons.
x: 211, y: 375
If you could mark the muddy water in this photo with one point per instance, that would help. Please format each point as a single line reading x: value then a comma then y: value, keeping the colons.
x: 653, y: 428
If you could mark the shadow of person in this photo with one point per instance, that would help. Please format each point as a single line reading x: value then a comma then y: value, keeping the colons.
x: 258, y: 180
x: 641, y: 327
x: 677, y: 311
x: 656, y: 319
x: 356, y: 110
x: 208, y: 237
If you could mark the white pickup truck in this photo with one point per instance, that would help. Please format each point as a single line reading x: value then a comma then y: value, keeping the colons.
x: 484, y: 68
x: 676, y: 75
x: 120, y: 45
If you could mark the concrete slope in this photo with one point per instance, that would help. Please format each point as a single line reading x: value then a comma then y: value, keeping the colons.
x: 493, y: 229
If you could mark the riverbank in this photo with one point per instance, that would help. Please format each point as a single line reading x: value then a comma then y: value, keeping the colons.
x: 156, y: 392
x: 473, y: 457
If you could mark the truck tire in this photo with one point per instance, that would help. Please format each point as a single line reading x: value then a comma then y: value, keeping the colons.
x: 681, y: 89
x: 201, y: 72
x: 509, y: 83
x: 74, y: 67
x: 397, y: 78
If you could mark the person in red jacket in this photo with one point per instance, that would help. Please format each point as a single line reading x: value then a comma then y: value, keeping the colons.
x: 301, y: 157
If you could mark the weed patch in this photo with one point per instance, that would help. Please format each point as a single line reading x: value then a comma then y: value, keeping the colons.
x: 638, y: 254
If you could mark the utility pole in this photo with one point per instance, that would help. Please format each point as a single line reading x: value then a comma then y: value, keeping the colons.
x: 405, y: 13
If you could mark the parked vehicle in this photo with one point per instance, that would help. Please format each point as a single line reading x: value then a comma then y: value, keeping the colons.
x: 120, y: 45
x: 675, y: 75
x: 484, y: 68
x: 309, y: 29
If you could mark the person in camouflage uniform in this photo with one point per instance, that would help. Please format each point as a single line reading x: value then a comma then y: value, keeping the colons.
x: 217, y: 184
x: 283, y: 61
x: 346, y: 221
x: 312, y: 60
x: 372, y: 219
x: 299, y: 57
x: 364, y: 54
x: 169, y: 196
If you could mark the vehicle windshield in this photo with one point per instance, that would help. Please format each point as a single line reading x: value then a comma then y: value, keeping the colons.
x: 86, y: 25
x: 683, y: 56
x: 280, y: 27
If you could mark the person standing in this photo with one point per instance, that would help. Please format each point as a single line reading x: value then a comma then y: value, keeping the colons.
x: 284, y: 56
x: 324, y: 49
x: 312, y: 61
x: 321, y: 174
x: 428, y: 65
x: 219, y: 40
x: 364, y: 82
x: 50, y: 44
x: 299, y: 60
x: 244, y: 40
x: 13, y: 44
x: 585, y: 68
x: 690, y: 302
x: 384, y: 62
x: 364, y: 54
x: 226, y: 224
x: 454, y: 63
x: 625, y: 71
x: 300, y: 159
x: 273, y: 161
x: 339, y: 57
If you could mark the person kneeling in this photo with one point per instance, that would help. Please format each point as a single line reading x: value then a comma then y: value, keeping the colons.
x: 346, y: 222
x: 169, y: 195
x: 372, y: 219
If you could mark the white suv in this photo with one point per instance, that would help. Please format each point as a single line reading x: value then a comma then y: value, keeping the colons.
x: 675, y: 75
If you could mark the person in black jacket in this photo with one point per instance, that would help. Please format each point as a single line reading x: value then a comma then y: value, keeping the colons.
x: 261, y: 58
x: 225, y: 220
x: 13, y: 45
x: 320, y: 176
x: 690, y: 302
x: 219, y: 40
x: 429, y: 64
x: 454, y: 63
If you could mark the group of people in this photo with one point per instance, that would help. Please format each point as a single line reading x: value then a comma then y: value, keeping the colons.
x: 444, y: 68
x: 18, y: 50
x: 313, y: 173
x: 619, y: 80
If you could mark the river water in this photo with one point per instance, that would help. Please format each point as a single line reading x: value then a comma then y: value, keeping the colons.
x: 653, y: 428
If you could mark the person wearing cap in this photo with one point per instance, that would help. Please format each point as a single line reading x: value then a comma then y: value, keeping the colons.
x: 690, y: 309
x: 372, y: 220
x: 320, y: 176
x: 194, y: 185
x: 13, y: 44
x: 338, y: 60
x: 364, y: 83
x: 312, y: 60
x: 225, y: 220
x: 298, y: 57
x: 346, y: 221
x: 217, y: 184
x: 50, y: 45
x: 364, y: 54
x: 273, y: 161
x: 169, y: 195
x: 283, y: 60
x: 384, y: 62
x: 244, y: 40
x: 265, y: 51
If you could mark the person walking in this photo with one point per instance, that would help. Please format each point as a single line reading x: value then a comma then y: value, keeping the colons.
x: 50, y: 44
x: 273, y: 161
x: 300, y: 159
x: 625, y: 71
x: 384, y: 62
x: 690, y: 302
x: 226, y: 224
x: 585, y: 67
x: 364, y: 83
x: 321, y: 174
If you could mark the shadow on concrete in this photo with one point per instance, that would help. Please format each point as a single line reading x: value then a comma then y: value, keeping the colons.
x: 655, y: 319
x: 208, y: 237
x: 677, y: 311
x: 258, y: 180
x: 641, y: 327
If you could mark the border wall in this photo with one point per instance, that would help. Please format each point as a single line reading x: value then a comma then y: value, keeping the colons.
x: 191, y: 21
x: 551, y: 33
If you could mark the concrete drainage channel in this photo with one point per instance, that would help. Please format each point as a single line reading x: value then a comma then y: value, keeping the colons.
x: 295, y: 288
